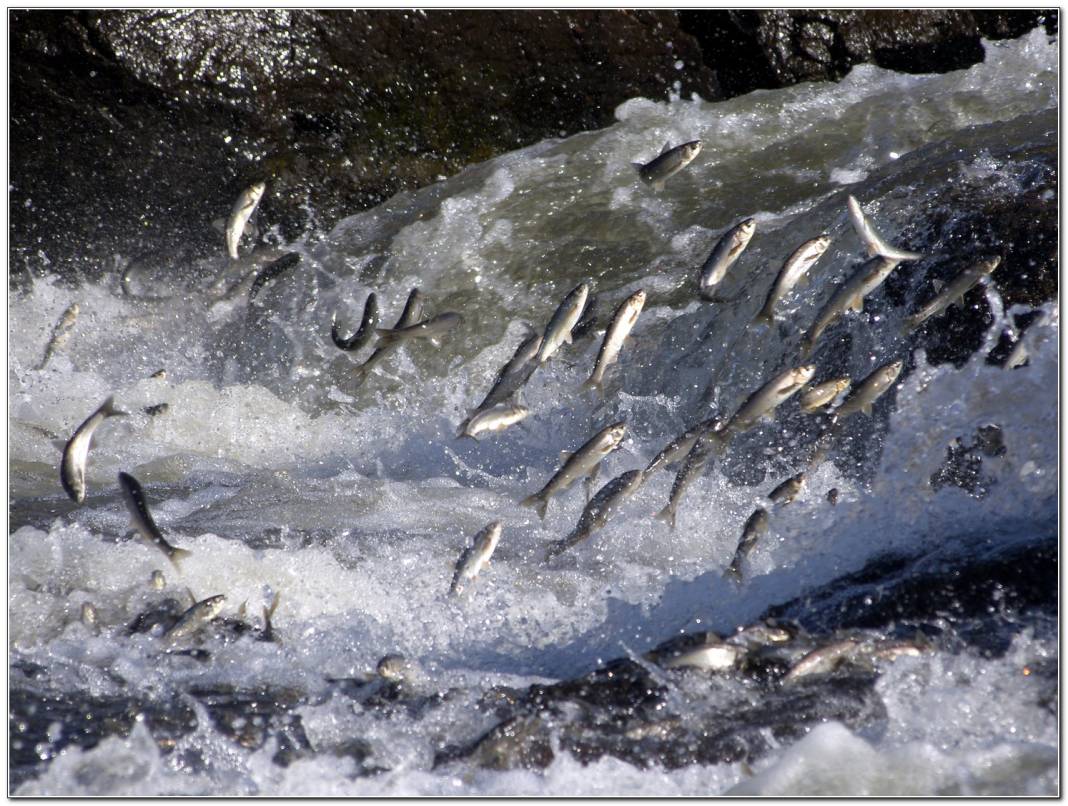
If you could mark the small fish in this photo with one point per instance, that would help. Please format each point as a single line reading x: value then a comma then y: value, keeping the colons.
x: 622, y: 322
x: 368, y: 325
x: 723, y: 255
x: 475, y: 556
x: 599, y: 510
x: 755, y: 526
x: 159, y: 374
x: 141, y: 519
x: 558, y: 331
x: 668, y: 163
x: 89, y: 616
x: 156, y: 410
x: 413, y: 309
x: 514, y: 374
x: 495, y: 418
x: 763, y: 633
x: 788, y: 490
x: 397, y: 668
x: 823, y: 660
x: 268, y: 614
x: 869, y: 390
x: 696, y: 460
x: 713, y: 655
x: 873, y: 242
x: 157, y: 581
x: 76, y: 451
x: 822, y: 394
x: 954, y: 292
x: 796, y: 266
x: 194, y: 618
x: 431, y: 329
x: 271, y: 272
x: 587, y: 322
x: 766, y: 399
x: 581, y: 463
x: 60, y: 334
x: 832, y: 496
x: 242, y: 211
x: 678, y: 448
x: 849, y: 295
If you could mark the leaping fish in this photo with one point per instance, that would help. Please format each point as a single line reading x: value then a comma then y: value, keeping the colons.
x: 413, y: 309
x: 60, y: 334
x: 475, y: 556
x: 869, y: 390
x: 495, y: 418
x: 600, y: 508
x: 563, y: 321
x: 723, y: 255
x: 622, y: 322
x: 76, y: 451
x: 849, y: 295
x: 822, y: 394
x: 796, y: 266
x: 873, y: 242
x: 194, y: 618
x: 430, y: 329
x: 368, y: 325
x: 696, y: 460
x: 954, y: 292
x: 755, y: 526
x: 766, y: 399
x: 668, y: 163
x: 142, y: 521
x: 242, y: 211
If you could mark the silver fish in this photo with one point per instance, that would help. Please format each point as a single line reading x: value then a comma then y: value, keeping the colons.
x: 157, y: 580
x: 869, y: 390
x: 622, y: 322
x: 873, y: 242
x: 788, y: 490
x: 475, y: 556
x: 397, y: 668
x: 89, y: 617
x: 567, y: 314
x: 194, y: 618
x: 513, y: 374
x: 495, y: 418
x: 60, y: 334
x: 587, y: 322
x: 822, y: 394
x: 431, y: 329
x: 368, y: 325
x: 957, y: 288
x: 159, y: 374
x: 76, y: 451
x: 582, y: 462
x: 413, y: 309
x: 678, y: 448
x: 713, y: 655
x: 763, y: 633
x: 723, y: 255
x: 696, y: 460
x: 755, y: 526
x: 796, y: 266
x: 766, y: 399
x: 850, y: 294
x: 823, y: 660
x: 242, y: 211
x: 599, y: 510
x: 668, y: 163
x: 141, y: 519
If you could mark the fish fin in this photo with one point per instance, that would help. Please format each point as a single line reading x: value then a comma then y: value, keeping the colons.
x: 192, y: 596
x: 386, y: 335
x: 866, y: 409
x: 938, y: 285
x: 658, y: 185
x: 537, y: 503
x: 219, y: 224
x: 857, y: 305
x: 177, y: 556
x: 734, y: 572
x: 109, y: 409
x: 59, y: 444
x: 462, y: 431
x: 565, y: 455
x: 243, y: 610
x: 268, y: 612
x: 637, y: 166
x: 567, y: 338
x: 666, y: 148
x: 597, y: 386
x: 667, y: 515
x: 764, y: 318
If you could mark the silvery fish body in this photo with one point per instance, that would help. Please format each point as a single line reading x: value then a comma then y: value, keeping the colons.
x: 60, y: 334
x: 513, y: 374
x: 796, y: 266
x: 850, y: 294
x: 712, y: 655
x: 668, y: 163
x: 76, y: 451
x: 242, y: 211
x: 788, y: 490
x: 822, y: 394
x: 141, y: 519
x: 475, y: 556
x: 874, y: 244
x: 755, y: 526
x: 495, y: 418
x: 194, y: 618
x: 564, y: 319
x: 582, y: 462
x: 678, y: 448
x: 723, y: 255
x: 368, y: 325
x: 431, y: 329
x: 413, y: 309
x: 695, y: 463
x: 823, y: 660
x: 767, y: 398
x: 869, y: 390
x: 600, y: 509
x: 622, y: 322
x: 957, y: 288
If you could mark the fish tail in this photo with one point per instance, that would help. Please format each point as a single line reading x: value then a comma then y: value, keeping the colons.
x: 733, y: 571
x: 177, y: 556
x: 387, y: 336
x: 537, y: 503
x: 667, y: 515
x: 765, y: 317
x: 596, y: 385
x: 109, y: 409
x: 883, y: 249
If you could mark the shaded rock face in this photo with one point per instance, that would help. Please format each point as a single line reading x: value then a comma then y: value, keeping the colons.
x: 133, y: 130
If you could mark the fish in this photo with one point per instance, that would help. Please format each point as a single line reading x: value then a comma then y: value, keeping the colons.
x: 581, y: 463
x: 587, y: 322
x: 368, y: 325
x: 156, y: 410
x: 159, y: 374
x: 788, y: 490
x: 271, y: 272
x: 76, y: 451
x: 725, y: 252
x: 268, y: 614
x: 713, y: 654
x: 413, y: 309
x: 796, y: 266
x: 676, y: 450
x: 822, y: 394
x: 766, y: 399
x: 832, y: 496
x: 475, y: 556
x: 563, y: 321
x: 398, y: 669
x: 599, y: 510
x: 194, y: 618
x: 822, y: 660
x: 141, y: 519
x: 514, y: 374
x: 873, y: 242
x: 157, y: 580
x: 696, y: 460
x: 849, y: 295
x: 622, y: 322
x: 89, y: 617
x: 668, y: 163
x: 242, y: 211
x: 430, y: 329
x: 764, y: 633
x: 954, y: 292
x: 869, y: 390
x: 495, y: 418
x: 60, y: 334
x: 755, y: 526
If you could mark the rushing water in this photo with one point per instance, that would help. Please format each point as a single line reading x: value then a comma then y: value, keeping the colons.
x: 353, y: 503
